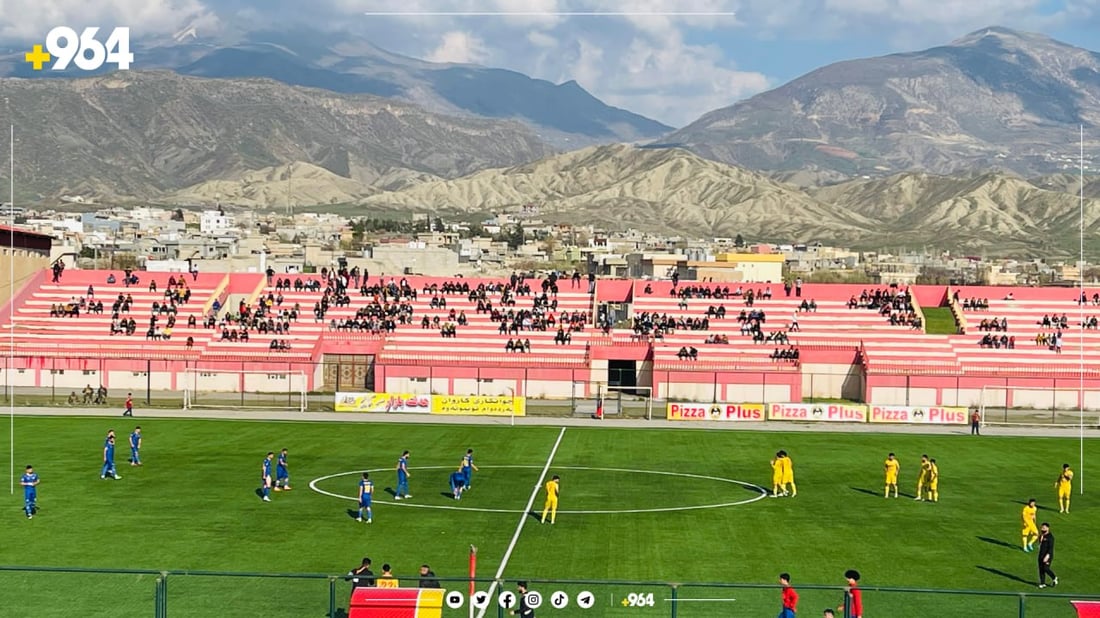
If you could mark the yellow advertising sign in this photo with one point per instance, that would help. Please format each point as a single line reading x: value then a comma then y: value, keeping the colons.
x: 383, y: 402
x: 479, y: 405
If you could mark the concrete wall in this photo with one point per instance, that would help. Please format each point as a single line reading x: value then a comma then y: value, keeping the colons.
x: 26, y: 264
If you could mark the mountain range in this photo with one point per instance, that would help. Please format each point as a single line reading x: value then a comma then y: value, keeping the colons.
x: 565, y: 115
x: 994, y: 99
x: 675, y: 191
x: 140, y: 134
x: 964, y: 146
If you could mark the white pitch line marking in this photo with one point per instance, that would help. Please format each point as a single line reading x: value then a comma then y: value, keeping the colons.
x: 522, y: 521
x: 763, y: 492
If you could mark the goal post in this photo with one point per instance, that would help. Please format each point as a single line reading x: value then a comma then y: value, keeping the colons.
x: 611, y: 399
x: 267, y: 390
x: 1015, y: 404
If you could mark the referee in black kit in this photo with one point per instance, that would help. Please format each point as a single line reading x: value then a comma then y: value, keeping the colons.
x: 1046, y: 556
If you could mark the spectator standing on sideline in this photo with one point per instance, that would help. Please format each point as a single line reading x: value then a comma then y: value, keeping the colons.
x: 975, y: 422
x: 1046, y: 556
x: 790, y: 597
x: 427, y: 577
x: 853, y: 597
x: 129, y: 405
x: 524, y: 610
x: 362, y: 576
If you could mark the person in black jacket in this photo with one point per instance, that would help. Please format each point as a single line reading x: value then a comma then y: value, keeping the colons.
x: 362, y: 577
x: 524, y: 610
x: 427, y: 577
x: 1046, y: 556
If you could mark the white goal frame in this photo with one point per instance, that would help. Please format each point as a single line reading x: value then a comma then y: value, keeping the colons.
x: 1046, y: 406
x: 601, y: 389
x: 244, y: 389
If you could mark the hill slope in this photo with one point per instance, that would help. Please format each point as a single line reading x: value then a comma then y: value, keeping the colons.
x: 649, y: 189
x: 145, y: 133
x: 995, y: 99
x: 676, y: 192
x: 564, y: 114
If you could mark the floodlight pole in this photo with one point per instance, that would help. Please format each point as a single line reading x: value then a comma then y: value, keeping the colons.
x: 11, y: 309
x: 1081, y: 308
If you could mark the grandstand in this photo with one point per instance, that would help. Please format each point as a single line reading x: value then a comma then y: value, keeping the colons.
x: 542, y: 338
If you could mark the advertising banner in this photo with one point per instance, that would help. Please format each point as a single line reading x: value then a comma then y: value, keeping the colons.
x: 715, y: 412
x: 926, y: 415
x: 479, y: 405
x: 828, y: 412
x: 383, y: 402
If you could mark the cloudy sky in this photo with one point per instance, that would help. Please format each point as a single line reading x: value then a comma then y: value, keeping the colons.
x: 648, y: 59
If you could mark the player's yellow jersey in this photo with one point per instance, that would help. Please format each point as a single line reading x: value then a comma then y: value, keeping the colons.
x: 925, y: 470
x: 777, y: 469
x: 787, y: 466
x: 1029, y: 516
x: 933, y: 473
x: 551, y: 490
x: 892, y: 466
x: 1065, y: 479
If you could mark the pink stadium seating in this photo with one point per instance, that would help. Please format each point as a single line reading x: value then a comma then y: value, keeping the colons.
x: 834, y: 330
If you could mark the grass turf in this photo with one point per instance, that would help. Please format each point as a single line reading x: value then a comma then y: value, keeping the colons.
x: 939, y: 321
x: 193, y: 506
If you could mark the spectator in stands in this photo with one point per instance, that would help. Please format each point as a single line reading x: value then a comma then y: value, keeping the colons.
x: 794, y: 324
x: 101, y: 395
x: 798, y: 287
x: 88, y: 393
x: 111, y: 279
x: 190, y: 342
x: 73, y: 399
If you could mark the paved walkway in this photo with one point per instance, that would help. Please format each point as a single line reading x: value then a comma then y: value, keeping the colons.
x: 556, y: 421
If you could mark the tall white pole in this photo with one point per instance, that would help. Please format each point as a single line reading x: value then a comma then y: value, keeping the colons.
x: 11, y: 310
x: 1081, y: 306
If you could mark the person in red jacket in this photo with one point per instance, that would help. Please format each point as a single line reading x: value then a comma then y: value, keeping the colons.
x: 790, y: 597
x: 853, y: 596
x: 129, y: 405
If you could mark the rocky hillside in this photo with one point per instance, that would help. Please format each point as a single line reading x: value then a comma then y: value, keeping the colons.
x: 142, y: 134
x: 995, y: 99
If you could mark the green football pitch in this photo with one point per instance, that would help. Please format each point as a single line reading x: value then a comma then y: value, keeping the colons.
x: 637, y: 505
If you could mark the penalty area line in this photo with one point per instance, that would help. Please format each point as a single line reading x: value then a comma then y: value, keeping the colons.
x: 522, y: 522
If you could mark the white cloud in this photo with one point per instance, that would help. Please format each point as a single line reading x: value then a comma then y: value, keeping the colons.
x: 459, y: 47
x: 24, y: 20
x: 541, y: 39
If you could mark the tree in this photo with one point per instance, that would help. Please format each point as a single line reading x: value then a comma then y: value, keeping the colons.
x: 476, y: 230
x: 739, y: 241
x: 178, y: 215
x: 438, y: 225
x: 516, y: 236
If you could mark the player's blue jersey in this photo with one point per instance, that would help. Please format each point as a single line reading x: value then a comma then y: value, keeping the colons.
x: 29, y: 490
x: 403, y: 468
x: 267, y: 467
x: 366, y: 491
x: 282, y: 461
x: 135, y: 439
x: 467, y: 463
x: 110, y: 453
x: 458, y: 479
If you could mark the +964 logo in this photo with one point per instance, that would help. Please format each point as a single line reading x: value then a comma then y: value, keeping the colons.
x: 65, y: 47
